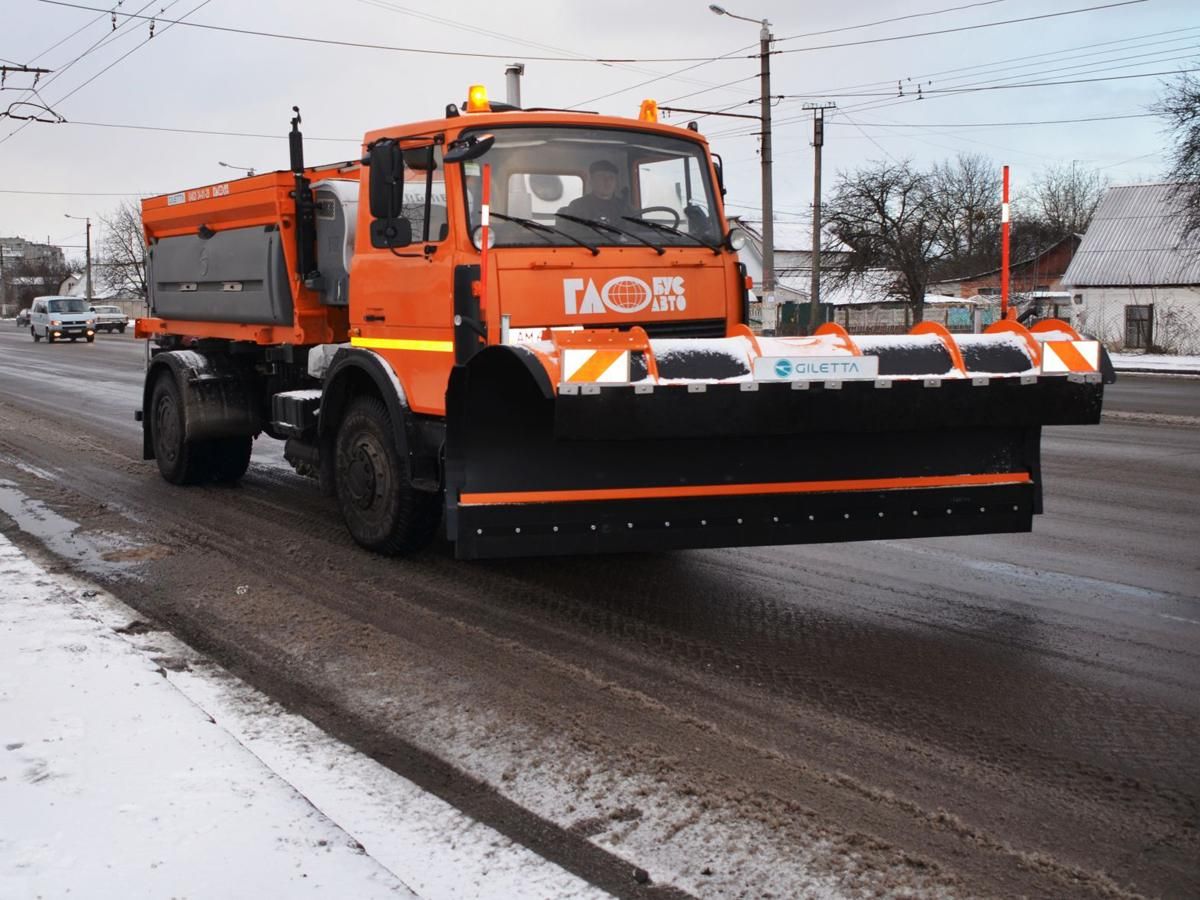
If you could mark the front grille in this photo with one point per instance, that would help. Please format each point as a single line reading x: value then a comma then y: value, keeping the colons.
x: 688, y: 328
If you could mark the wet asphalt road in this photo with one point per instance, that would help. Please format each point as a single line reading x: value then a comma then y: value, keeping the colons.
x: 997, y: 715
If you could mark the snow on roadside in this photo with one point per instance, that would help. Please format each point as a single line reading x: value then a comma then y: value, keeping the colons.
x: 131, y: 766
x: 1156, y: 362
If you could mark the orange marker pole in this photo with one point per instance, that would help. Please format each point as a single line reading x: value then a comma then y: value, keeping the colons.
x: 485, y: 210
x: 1004, y: 225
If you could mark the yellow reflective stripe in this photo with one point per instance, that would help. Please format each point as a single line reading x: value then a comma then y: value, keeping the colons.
x: 401, y: 344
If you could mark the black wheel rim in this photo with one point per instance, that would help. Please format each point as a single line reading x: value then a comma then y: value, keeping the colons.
x: 166, y: 428
x: 366, y: 473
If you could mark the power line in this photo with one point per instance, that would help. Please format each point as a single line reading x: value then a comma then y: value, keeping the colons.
x: 132, y: 50
x: 905, y: 37
x: 492, y: 33
x: 107, y: 38
x: 362, y: 45
x: 944, y: 92
x: 242, y: 134
x: 62, y: 41
x: 1025, y: 61
x: 936, y: 12
x: 751, y: 46
x: 83, y: 193
x: 1003, y: 124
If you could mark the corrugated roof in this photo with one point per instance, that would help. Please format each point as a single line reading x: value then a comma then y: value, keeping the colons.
x: 1135, y: 239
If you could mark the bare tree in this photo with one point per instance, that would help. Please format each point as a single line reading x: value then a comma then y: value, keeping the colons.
x: 123, y: 251
x: 1181, y: 108
x: 1064, y: 198
x: 887, y: 216
x: 966, y: 200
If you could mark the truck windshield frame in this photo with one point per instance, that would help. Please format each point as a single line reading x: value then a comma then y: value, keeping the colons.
x: 540, y: 171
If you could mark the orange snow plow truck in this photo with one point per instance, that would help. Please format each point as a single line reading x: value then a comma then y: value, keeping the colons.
x: 532, y: 327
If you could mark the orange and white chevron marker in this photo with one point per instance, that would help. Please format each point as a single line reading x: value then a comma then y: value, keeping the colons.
x: 1070, y: 356
x: 580, y: 364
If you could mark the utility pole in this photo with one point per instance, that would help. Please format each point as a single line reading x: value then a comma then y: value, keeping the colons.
x: 818, y: 141
x: 88, y: 251
x: 88, y: 243
x: 768, y: 230
x: 768, y: 200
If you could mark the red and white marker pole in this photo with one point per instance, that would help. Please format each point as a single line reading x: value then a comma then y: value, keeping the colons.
x: 1004, y: 225
x: 485, y: 210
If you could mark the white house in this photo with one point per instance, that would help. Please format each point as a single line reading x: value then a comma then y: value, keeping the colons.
x: 1135, y: 278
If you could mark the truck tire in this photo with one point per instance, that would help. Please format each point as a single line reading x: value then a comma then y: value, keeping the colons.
x: 33, y: 333
x: 381, y: 508
x: 229, y: 458
x: 179, y: 461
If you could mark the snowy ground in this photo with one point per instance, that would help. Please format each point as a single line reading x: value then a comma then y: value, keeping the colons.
x: 1156, y: 362
x: 131, y: 767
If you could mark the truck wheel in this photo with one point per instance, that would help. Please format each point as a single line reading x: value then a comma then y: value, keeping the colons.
x: 382, y: 510
x: 229, y: 458
x: 49, y: 338
x: 34, y: 334
x: 121, y: 329
x: 179, y: 461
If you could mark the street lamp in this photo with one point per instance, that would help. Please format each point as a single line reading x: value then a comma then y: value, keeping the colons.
x: 88, y: 220
x: 246, y: 169
x: 768, y: 232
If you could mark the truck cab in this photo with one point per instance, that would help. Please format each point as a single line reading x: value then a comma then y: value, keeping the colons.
x: 653, y: 253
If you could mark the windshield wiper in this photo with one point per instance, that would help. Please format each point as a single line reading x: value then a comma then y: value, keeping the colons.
x: 612, y: 229
x: 671, y: 229
x: 534, y: 225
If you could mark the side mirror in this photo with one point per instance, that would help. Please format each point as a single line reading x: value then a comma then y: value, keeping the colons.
x: 391, y: 233
x: 387, y: 178
x: 471, y: 147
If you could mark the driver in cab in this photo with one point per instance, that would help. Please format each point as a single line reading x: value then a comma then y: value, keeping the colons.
x: 601, y: 202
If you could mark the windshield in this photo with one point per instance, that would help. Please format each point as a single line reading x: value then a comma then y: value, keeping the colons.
x: 67, y: 306
x: 559, y: 186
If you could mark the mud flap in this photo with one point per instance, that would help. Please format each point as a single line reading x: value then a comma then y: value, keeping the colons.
x: 653, y: 467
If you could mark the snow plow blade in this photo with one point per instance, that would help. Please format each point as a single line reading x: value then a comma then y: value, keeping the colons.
x: 536, y: 466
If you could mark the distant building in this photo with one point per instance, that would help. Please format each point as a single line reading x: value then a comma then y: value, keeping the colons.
x: 1136, y: 278
x: 75, y: 285
x: 14, y: 250
x: 1041, y: 273
x: 17, y: 284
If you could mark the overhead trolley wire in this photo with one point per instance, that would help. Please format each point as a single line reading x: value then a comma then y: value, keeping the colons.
x: 363, y: 45
x: 960, y: 28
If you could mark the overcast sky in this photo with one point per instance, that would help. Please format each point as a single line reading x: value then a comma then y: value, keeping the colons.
x: 212, y: 80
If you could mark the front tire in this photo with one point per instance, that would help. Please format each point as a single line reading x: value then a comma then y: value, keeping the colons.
x: 33, y: 334
x: 229, y: 458
x: 381, y: 508
x: 179, y: 461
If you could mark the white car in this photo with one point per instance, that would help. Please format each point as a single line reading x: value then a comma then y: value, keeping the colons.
x: 55, y: 318
x: 110, y: 319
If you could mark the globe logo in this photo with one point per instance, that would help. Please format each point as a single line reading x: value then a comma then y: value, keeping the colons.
x: 783, y: 368
x: 626, y: 294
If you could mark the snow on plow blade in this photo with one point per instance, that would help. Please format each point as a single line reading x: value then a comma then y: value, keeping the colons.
x: 751, y: 441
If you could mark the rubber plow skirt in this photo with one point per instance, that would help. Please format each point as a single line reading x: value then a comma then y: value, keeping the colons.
x: 648, y: 467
